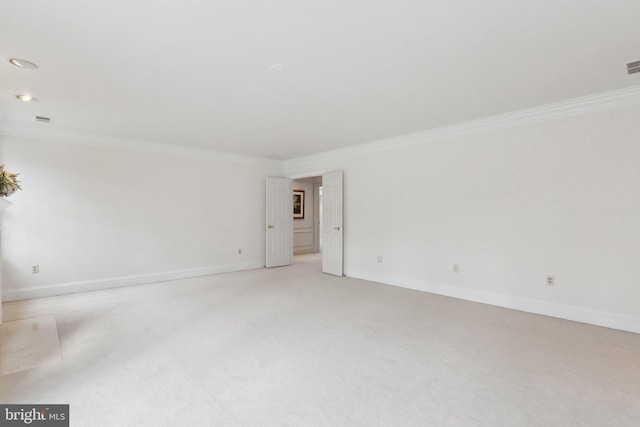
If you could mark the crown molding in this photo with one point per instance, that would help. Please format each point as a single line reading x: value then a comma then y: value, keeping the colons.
x: 611, y: 100
x: 130, y: 144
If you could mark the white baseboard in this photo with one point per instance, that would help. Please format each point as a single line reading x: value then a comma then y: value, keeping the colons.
x: 304, y: 251
x: 116, y: 282
x: 577, y: 314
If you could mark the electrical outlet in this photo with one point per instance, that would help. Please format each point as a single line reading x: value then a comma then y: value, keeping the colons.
x: 551, y: 281
x: 35, y: 269
x: 379, y: 258
x: 239, y: 251
x: 456, y: 268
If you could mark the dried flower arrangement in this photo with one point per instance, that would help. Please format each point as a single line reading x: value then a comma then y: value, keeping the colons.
x: 9, y: 183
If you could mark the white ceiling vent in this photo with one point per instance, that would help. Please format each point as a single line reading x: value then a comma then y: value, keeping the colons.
x: 43, y: 119
x: 633, y: 67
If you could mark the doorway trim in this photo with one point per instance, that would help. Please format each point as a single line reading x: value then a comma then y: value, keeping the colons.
x: 303, y: 175
x: 317, y: 226
x: 323, y: 172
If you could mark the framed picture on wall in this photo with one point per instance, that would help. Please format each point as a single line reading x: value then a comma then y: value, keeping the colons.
x: 298, y: 204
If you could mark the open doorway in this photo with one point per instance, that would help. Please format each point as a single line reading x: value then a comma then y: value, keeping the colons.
x: 322, y: 235
x: 307, y: 221
x: 321, y: 204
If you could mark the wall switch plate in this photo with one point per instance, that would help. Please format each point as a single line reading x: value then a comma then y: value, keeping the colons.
x: 551, y: 281
x: 35, y: 269
x: 379, y: 258
x: 239, y: 251
x: 456, y: 268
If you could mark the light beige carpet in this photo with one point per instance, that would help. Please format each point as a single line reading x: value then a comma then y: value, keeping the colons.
x: 293, y: 347
x: 29, y: 343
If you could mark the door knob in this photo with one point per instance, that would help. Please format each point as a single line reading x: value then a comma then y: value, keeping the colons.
x: 271, y: 226
x: 337, y: 228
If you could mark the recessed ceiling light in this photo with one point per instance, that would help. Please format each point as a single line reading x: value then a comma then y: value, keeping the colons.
x: 26, y: 98
x: 23, y: 63
x: 276, y: 67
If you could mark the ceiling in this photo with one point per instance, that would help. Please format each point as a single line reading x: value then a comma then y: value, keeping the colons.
x: 199, y: 73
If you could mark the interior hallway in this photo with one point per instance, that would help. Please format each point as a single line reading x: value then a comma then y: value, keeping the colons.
x: 292, y: 346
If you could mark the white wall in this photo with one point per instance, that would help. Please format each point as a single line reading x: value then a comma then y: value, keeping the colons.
x: 509, y: 207
x: 94, y: 217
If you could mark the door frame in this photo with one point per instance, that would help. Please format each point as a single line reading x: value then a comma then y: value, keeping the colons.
x: 320, y: 172
x: 317, y: 227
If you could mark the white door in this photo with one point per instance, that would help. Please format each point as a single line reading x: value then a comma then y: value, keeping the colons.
x: 317, y: 217
x: 332, y: 223
x: 279, y: 222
